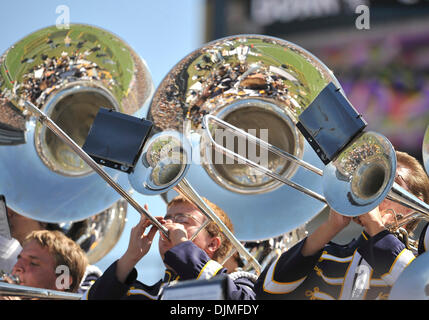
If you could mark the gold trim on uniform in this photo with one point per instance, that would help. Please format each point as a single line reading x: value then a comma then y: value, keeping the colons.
x: 326, y: 256
x: 316, y: 294
x: 403, y: 259
x: 133, y: 291
x: 328, y: 280
x: 275, y: 287
x: 209, y: 270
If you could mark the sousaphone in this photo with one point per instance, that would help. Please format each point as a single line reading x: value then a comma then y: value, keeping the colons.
x: 258, y: 83
x: 68, y: 74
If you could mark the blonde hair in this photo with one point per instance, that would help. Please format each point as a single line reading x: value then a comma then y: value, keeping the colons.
x: 417, y: 181
x: 65, y: 251
x: 212, y: 228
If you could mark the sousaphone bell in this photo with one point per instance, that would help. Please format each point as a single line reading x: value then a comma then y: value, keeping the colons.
x: 253, y: 82
x: 256, y: 83
x: 68, y: 74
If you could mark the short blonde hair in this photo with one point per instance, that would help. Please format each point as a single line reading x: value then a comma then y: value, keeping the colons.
x: 417, y: 181
x: 212, y: 227
x: 65, y: 251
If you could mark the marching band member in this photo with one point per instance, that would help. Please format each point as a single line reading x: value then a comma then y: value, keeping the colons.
x: 49, y: 260
x: 21, y: 227
x: 183, y: 259
x: 366, y: 268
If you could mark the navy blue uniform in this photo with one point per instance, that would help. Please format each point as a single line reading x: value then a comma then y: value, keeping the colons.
x: 189, y: 262
x: 366, y: 268
x: 424, y: 240
x: 92, y: 273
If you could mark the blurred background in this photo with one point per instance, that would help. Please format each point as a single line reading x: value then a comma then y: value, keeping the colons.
x: 378, y: 50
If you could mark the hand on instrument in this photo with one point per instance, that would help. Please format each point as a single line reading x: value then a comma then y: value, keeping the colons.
x: 337, y: 221
x: 325, y: 233
x: 10, y: 278
x: 176, y: 233
x: 138, y: 246
x: 10, y: 298
x: 7, y: 279
x: 373, y: 221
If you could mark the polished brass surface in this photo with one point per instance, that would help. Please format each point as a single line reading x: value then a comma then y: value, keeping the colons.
x: 257, y: 83
x: 162, y: 166
x: 8, y: 289
x: 253, y: 82
x: 68, y: 74
x: 362, y: 175
x: 98, y: 234
x: 413, y: 282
